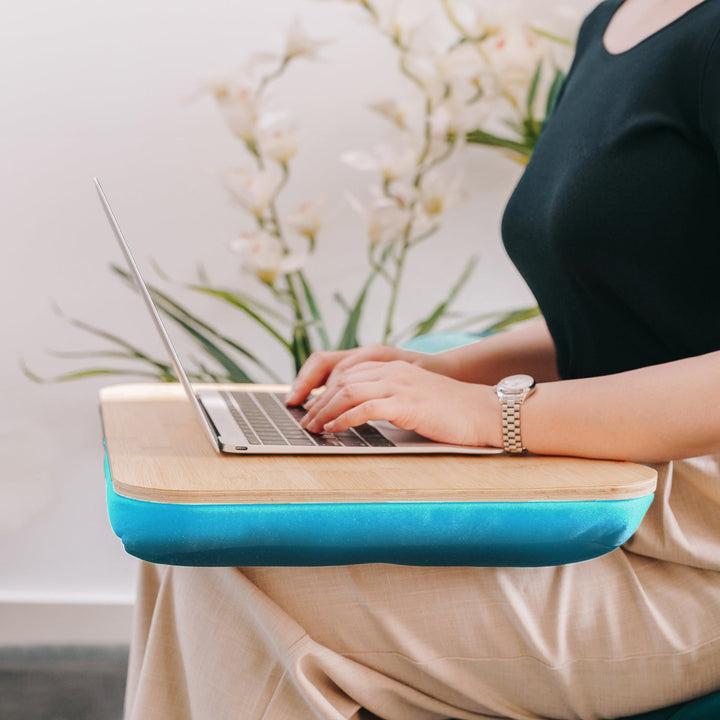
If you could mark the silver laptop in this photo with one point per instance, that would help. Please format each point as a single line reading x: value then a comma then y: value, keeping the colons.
x: 245, y: 421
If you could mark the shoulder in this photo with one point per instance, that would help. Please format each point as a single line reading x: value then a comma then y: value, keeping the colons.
x: 710, y: 81
x: 595, y: 22
x: 706, y: 46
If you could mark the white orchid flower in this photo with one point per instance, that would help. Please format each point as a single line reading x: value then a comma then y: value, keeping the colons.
x: 239, y: 106
x: 423, y: 68
x: 264, y: 255
x: 406, y: 23
x: 307, y: 219
x: 279, y: 141
x: 391, y: 110
x: 514, y: 54
x: 298, y: 44
x: 386, y: 220
x: 460, y: 64
x: 393, y: 162
x: 254, y: 189
x: 438, y: 194
x: 454, y: 117
x: 473, y: 21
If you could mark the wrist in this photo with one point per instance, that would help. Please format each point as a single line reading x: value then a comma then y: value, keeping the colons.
x: 492, y: 413
x: 432, y: 362
x: 486, y: 414
x: 512, y: 392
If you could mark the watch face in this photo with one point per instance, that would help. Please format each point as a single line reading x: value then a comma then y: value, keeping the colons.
x: 517, y: 384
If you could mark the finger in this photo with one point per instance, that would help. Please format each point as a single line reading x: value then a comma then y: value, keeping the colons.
x: 348, y: 397
x: 309, y: 403
x: 313, y: 374
x: 377, y: 354
x: 319, y: 368
x: 362, y: 373
x: 375, y: 409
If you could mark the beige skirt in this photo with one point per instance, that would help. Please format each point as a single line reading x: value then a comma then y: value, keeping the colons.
x: 625, y: 633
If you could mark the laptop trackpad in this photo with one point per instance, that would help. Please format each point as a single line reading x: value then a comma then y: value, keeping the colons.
x: 398, y: 436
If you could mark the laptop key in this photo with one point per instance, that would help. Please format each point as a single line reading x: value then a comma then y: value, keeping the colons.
x: 350, y: 439
x: 373, y: 437
x: 327, y: 440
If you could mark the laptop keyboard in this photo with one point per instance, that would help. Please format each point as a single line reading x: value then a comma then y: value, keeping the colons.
x: 266, y: 420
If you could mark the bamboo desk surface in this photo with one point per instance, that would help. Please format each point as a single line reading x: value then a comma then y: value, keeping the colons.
x: 158, y: 452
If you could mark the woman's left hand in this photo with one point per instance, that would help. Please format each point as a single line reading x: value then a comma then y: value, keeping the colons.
x: 435, y: 406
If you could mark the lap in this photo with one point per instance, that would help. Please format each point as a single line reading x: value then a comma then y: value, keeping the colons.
x: 624, y: 633
x: 619, y: 634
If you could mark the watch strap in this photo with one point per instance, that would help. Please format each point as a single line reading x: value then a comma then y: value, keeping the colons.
x: 512, y: 440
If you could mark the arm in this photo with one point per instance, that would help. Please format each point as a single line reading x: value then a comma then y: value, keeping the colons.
x: 652, y: 414
x: 527, y: 348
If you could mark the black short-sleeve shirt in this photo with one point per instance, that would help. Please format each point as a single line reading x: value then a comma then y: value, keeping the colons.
x: 615, y: 224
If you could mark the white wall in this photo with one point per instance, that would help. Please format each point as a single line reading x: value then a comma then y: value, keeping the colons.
x: 92, y: 87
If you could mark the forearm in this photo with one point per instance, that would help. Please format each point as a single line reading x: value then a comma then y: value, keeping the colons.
x: 653, y: 414
x: 526, y: 349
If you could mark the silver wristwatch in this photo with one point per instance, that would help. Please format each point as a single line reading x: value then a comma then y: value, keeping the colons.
x: 512, y: 392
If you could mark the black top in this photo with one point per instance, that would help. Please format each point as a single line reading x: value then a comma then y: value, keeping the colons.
x: 615, y: 224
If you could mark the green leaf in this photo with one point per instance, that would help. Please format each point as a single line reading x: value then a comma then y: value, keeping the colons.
x: 315, y: 312
x: 234, y: 371
x: 480, y: 137
x: 425, y: 326
x: 532, y: 90
x: 211, y: 375
x: 513, y: 317
x: 492, y: 321
x: 349, y: 337
x: 132, y: 351
x: 566, y: 42
x: 554, y: 93
x: 241, y: 301
x: 83, y: 374
x: 515, y: 126
x: 342, y: 302
x: 164, y: 302
x: 301, y: 347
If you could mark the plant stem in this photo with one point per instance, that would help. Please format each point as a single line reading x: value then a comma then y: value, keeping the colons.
x: 274, y: 75
x: 395, y: 291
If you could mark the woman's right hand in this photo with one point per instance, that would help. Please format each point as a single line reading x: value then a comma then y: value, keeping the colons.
x: 321, y: 367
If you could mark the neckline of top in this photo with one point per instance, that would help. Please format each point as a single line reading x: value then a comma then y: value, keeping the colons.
x: 649, y: 37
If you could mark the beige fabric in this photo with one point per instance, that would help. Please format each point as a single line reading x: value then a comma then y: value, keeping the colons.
x: 636, y: 629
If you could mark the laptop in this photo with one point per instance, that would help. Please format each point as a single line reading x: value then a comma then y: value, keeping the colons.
x: 243, y: 420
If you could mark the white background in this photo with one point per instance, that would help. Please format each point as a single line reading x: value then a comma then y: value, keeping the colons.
x: 91, y: 87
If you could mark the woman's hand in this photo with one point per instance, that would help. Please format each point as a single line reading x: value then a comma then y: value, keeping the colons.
x: 321, y: 366
x: 411, y: 398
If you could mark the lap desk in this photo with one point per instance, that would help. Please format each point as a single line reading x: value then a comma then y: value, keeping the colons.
x: 173, y: 500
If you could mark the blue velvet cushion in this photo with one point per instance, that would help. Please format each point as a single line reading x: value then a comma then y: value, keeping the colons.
x: 465, y: 534
x: 437, y: 342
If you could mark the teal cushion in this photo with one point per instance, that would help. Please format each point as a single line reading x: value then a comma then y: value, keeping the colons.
x: 438, y: 342
x: 426, y: 533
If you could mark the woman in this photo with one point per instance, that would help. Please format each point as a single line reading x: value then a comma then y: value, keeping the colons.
x: 616, y: 227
